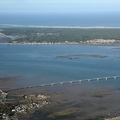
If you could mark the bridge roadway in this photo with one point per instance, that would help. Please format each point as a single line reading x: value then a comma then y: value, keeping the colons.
x: 68, y: 82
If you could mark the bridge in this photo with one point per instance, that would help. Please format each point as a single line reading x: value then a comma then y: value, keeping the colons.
x: 69, y: 82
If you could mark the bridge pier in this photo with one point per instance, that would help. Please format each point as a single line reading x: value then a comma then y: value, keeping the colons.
x: 89, y: 80
x: 97, y: 79
x: 43, y: 85
x: 106, y: 78
x: 71, y: 82
x: 54, y: 84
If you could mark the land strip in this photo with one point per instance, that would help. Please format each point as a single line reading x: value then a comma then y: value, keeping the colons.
x: 29, y: 35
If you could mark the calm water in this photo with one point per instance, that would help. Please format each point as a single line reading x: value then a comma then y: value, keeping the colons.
x: 38, y: 64
x: 83, y: 20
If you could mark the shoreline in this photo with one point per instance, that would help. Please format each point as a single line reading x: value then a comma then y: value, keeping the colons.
x: 84, y: 36
x: 77, y: 27
x: 96, y: 42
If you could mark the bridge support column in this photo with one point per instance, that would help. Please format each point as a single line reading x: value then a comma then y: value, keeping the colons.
x: 97, y: 79
x: 89, y: 80
x: 106, y: 78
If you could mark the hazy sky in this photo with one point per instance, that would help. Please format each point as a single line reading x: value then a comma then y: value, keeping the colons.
x: 59, y: 6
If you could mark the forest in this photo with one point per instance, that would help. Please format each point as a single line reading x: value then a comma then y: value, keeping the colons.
x: 59, y: 35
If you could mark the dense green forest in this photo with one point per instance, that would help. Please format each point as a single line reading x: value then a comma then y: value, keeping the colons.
x: 55, y: 35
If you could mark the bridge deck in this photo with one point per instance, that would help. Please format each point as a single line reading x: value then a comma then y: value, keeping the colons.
x: 70, y: 82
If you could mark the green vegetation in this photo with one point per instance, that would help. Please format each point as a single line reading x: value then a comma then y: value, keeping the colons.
x: 100, y: 95
x: 65, y: 113
x: 78, y: 56
x: 62, y: 35
x: 14, y: 105
x: 96, y: 118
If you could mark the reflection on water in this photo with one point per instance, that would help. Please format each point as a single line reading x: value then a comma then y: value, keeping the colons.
x: 38, y: 64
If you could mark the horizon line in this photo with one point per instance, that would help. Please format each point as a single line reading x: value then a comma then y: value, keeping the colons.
x: 59, y: 26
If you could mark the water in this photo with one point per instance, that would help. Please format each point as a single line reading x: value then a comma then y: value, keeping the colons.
x: 38, y: 64
x: 83, y: 20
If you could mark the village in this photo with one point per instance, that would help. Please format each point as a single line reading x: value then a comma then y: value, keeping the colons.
x: 13, y: 105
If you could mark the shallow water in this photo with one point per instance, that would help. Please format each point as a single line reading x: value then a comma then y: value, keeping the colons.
x: 39, y: 64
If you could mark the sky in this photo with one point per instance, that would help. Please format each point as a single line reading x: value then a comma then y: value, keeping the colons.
x: 59, y: 6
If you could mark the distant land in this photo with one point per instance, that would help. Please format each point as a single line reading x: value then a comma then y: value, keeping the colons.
x: 60, y: 35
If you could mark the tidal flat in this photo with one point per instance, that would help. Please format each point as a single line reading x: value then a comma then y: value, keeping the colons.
x: 78, y: 56
x: 84, y: 101
x: 76, y: 103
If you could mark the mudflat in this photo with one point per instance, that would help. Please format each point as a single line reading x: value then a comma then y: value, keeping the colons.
x: 7, y: 83
x: 75, y: 102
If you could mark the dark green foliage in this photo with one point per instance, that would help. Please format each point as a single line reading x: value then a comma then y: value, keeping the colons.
x: 55, y: 35
x: 96, y: 118
x: 6, y: 108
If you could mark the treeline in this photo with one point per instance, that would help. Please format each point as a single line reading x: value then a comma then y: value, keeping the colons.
x: 54, y: 35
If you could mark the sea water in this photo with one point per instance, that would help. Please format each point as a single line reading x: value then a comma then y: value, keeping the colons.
x: 40, y: 64
x: 110, y: 19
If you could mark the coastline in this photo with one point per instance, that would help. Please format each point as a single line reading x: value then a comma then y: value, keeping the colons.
x: 40, y: 26
x: 61, y: 35
x: 104, y: 42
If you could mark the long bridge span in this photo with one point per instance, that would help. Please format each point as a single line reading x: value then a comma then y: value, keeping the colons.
x: 69, y: 82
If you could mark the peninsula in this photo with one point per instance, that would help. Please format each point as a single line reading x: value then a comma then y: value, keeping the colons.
x: 52, y: 35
